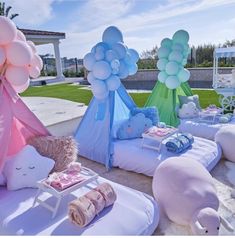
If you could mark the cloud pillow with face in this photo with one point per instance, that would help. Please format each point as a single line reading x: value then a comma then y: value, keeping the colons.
x: 188, y: 110
x: 26, y: 168
x: 134, y: 127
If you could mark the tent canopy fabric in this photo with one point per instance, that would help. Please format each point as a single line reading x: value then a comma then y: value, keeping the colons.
x: 166, y: 100
x: 17, y: 122
x: 95, y: 134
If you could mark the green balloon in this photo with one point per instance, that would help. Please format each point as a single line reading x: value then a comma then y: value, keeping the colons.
x: 166, y: 42
x: 181, y: 36
x: 161, y: 64
x: 172, y: 68
x: 177, y: 46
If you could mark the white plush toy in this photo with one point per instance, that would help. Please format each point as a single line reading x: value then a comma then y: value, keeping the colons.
x: 188, y: 110
x: 185, y: 191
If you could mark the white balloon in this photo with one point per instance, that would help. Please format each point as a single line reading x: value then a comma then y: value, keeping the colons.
x: 37, y: 62
x: 19, y: 53
x: 17, y: 76
x: 2, y: 56
x: 8, y: 30
x: 34, y: 72
x: 22, y: 88
x: 32, y: 46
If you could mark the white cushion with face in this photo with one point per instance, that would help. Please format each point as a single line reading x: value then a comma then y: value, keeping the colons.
x: 24, y: 169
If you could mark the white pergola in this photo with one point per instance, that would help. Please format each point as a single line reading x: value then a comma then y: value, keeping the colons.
x: 47, y: 37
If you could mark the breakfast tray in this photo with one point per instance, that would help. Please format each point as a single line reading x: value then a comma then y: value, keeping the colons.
x: 43, y: 186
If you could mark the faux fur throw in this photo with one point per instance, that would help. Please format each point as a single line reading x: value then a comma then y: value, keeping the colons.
x: 63, y: 150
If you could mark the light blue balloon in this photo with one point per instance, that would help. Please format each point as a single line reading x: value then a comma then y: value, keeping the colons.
x: 120, y: 49
x: 115, y: 64
x: 115, y: 71
x: 166, y: 42
x: 101, y: 70
x: 172, y: 82
x: 128, y: 60
x: 183, y: 75
x: 163, y: 52
x: 90, y: 77
x: 112, y: 35
x: 177, y: 46
x: 113, y: 82
x: 176, y: 55
x: 181, y: 36
x: 134, y: 55
x: 99, y: 89
x: 110, y: 55
x: 89, y: 61
x: 101, y: 46
x: 161, y: 63
x: 133, y: 68
x: 172, y: 68
x: 162, y: 76
x: 123, y: 70
x: 99, y: 55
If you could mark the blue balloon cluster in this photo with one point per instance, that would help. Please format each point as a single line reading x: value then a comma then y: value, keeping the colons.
x: 173, y: 55
x: 108, y: 62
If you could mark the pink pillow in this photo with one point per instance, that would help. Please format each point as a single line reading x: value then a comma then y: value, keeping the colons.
x: 63, y: 150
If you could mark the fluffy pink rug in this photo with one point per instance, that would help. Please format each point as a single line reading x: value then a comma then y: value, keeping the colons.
x: 63, y: 150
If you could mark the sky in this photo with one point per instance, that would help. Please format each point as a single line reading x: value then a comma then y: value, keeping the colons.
x: 144, y: 23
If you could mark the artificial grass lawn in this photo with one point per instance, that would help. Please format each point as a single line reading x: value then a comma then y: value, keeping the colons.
x: 77, y: 93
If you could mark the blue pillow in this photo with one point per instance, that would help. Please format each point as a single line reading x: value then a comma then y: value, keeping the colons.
x: 149, y: 112
x: 134, y: 127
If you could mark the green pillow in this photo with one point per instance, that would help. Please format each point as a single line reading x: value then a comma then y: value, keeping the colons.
x: 187, y: 99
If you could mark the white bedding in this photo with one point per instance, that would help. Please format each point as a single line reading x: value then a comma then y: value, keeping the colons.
x: 129, y: 155
x: 204, y: 130
x: 134, y: 213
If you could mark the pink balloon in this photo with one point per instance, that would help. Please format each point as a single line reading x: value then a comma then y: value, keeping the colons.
x: 19, y: 53
x: 22, y: 88
x: 20, y: 36
x: 2, y: 56
x: 17, y: 76
x: 37, y: 62
x: 32, y: 46
x: 8, y: 30
x: 34, y: 72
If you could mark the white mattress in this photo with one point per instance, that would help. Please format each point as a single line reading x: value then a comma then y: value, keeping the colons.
x: 134, y: 213
x: 129, y: 155
x: 204, y: 130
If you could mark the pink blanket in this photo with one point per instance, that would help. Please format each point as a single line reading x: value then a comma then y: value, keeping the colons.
x: 84, y: 209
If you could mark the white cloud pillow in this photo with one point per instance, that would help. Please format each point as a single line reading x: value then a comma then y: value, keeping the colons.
x: 24, y: 169
x: 188, y: 110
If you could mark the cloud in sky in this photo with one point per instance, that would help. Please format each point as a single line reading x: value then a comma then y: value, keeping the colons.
x: 143, y: 23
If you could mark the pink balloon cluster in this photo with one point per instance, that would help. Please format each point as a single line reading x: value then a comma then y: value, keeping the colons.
x: 18, y: 57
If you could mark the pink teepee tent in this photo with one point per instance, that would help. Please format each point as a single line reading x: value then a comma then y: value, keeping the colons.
x: 17, y: 122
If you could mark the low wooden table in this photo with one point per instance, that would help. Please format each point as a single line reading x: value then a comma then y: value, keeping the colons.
x: 44, y: 187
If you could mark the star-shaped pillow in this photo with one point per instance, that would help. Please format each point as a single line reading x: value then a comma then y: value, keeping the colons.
x: 26, y: 168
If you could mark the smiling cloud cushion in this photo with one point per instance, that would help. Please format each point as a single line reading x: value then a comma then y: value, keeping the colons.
x: 134, y: 127
x: 24, y: 169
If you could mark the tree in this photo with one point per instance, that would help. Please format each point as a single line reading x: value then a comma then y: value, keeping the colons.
x: 4, y: 11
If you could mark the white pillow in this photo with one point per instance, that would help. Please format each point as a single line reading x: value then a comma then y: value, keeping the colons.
x: 188, y: 110
x: 24, y: 169
x: 2, y: 180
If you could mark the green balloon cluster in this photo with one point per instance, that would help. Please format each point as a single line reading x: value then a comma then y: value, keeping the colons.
x: 173, y: 55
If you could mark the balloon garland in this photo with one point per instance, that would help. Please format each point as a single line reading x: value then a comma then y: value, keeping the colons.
x: 108, y: 62
x: 173, y: 56
x: 18, y: 57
